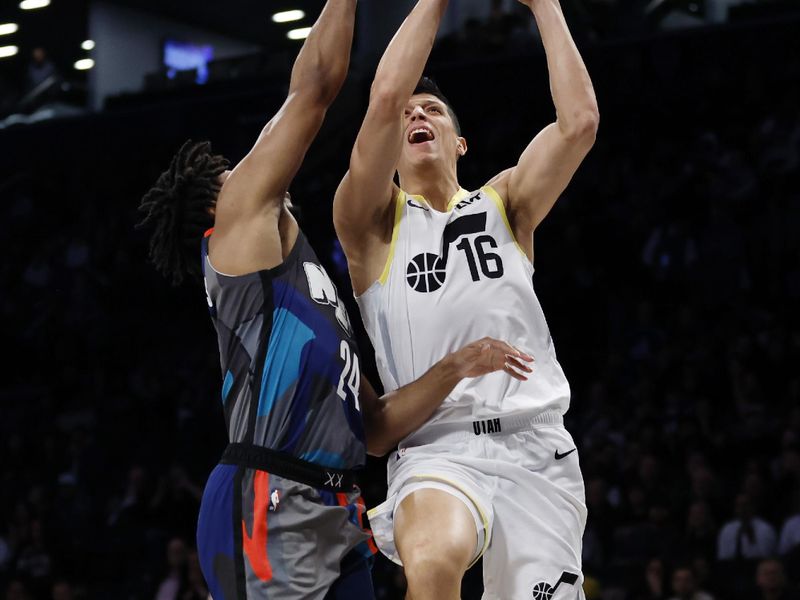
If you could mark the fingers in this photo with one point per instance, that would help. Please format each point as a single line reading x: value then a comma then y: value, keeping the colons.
x: 506, y: 349
x: 518, y: 365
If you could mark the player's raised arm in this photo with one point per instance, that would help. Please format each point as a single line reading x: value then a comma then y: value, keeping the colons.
x: 261, y: 179
x: 549, y: 162
x: 393, y: 416
x: 362, y: 207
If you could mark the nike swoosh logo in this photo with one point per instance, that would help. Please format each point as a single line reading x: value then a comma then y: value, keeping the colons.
x: 560, y: 456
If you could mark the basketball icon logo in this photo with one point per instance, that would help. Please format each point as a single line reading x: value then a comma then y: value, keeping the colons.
x: 426, y: 272
x: 545, y: 591
x: 542, y: 591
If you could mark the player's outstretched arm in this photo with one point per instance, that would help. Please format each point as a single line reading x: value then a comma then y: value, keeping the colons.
x: 393, y: 416
x: 362, y: 209
x: 549, y: 162
x: 261, y: 179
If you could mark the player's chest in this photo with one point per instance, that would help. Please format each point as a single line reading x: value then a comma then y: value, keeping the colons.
x: 466, y: 251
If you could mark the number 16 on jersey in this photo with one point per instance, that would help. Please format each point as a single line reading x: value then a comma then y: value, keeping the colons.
x: 351, y: 375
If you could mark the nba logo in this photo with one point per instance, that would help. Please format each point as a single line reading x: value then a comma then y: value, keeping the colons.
x: 274, y: 500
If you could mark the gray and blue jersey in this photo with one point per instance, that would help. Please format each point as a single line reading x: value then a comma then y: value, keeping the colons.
x: 290, y: 365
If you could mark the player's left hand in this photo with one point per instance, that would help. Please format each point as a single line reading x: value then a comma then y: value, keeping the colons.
x: 489, y: 355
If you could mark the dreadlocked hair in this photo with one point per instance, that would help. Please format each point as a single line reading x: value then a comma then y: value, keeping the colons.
x: 178, y: 207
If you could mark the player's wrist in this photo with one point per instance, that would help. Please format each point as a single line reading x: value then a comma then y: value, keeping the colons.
x: 449, y: 370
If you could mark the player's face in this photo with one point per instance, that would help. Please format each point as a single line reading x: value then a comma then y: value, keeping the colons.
x: 430, y: 134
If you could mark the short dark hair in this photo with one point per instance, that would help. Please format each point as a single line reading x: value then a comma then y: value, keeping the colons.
x: 178, y: 207
x: 427, y: 85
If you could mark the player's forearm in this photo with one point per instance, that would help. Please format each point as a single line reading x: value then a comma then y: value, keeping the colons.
x: 321, y: 66
x: 405, y: 410
x: 570, y: 84
x: 403, y: 62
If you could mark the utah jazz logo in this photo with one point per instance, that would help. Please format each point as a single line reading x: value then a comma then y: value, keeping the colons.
x: 544, y: 591
x: 323, y: 291
x: 426, y: 272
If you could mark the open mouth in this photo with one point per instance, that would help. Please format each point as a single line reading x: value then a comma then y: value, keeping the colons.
x: 420, y: 135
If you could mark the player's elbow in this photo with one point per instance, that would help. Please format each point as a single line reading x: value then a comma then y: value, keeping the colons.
x: 378, y: 445
x: 379, y: 440
x: 582, y: 127
x: 318, y: 84
x: 384, y: 99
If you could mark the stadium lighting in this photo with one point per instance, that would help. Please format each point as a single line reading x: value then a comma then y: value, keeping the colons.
x: 31, y: 4
x: 299, y: 34
x: 6, y: 51
x: 84, y: 64
x: 88, y: 45
x: 288, y: 16
x: 8, y: 28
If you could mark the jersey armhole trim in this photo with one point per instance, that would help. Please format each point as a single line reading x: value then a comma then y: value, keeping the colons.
x: 492, y: 193
x: 399, y: 205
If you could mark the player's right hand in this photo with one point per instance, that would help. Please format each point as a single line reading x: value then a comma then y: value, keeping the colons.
x: 489, y: 355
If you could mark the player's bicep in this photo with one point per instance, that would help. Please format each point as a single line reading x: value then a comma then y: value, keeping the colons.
x: 544, y: 170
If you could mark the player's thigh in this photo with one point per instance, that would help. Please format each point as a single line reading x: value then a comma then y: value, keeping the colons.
x: 431, y: 525
x: 215, y: 533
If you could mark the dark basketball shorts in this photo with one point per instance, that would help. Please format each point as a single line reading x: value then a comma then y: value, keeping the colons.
x: 262, y: 536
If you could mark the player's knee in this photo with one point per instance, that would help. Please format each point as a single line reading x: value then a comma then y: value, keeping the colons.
x: 425, y: 563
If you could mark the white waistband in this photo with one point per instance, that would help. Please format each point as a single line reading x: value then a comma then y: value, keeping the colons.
x: 493, y: 426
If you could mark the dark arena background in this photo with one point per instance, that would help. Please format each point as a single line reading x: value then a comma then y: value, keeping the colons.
x: 669, y: 272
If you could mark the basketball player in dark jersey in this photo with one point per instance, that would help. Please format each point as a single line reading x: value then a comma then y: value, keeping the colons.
x: 281, y: 516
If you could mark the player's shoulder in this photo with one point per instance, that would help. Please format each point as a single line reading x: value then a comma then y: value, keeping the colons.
x: 499, y: 183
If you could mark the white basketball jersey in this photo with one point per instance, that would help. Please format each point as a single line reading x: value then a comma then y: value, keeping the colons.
x: 452, y: 278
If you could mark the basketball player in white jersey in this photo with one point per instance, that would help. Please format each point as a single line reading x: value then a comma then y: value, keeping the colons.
x: 492, y: 472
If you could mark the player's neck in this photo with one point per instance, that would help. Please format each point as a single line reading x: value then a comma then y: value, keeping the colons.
x: 436, y: 187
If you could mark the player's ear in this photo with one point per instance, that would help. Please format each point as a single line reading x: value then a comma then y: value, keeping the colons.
x: 462, y: 146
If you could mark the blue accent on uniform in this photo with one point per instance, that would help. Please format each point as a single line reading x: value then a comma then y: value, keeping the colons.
x: 282, y: 366
x: 215, y: 532
x: 327, y: 459
x: 319, y: 360
x: 226, y: 386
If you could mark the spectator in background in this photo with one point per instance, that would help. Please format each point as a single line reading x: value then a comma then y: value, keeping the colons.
x: 62, y: 590
x: 747, y: 536
x: 684, y: 585
x: 771, y: 582
x: 700, y: 530
x: 789, y: 542
x: 40, y: 69
x: 790, y: 535
x: 34, y: 559
x: 176, y: 563
x: 195, y: 586
x: 16, y: 590
x: 653, y: 585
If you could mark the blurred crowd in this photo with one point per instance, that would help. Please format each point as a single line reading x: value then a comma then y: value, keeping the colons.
x: 669, y: 272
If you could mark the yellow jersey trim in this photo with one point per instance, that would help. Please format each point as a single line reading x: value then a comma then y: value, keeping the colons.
x: 457, y: 197
x: 399, y: 205
x: 501, y: 207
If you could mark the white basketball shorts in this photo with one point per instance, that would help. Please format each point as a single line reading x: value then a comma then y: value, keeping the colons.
x: 520, y: 478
